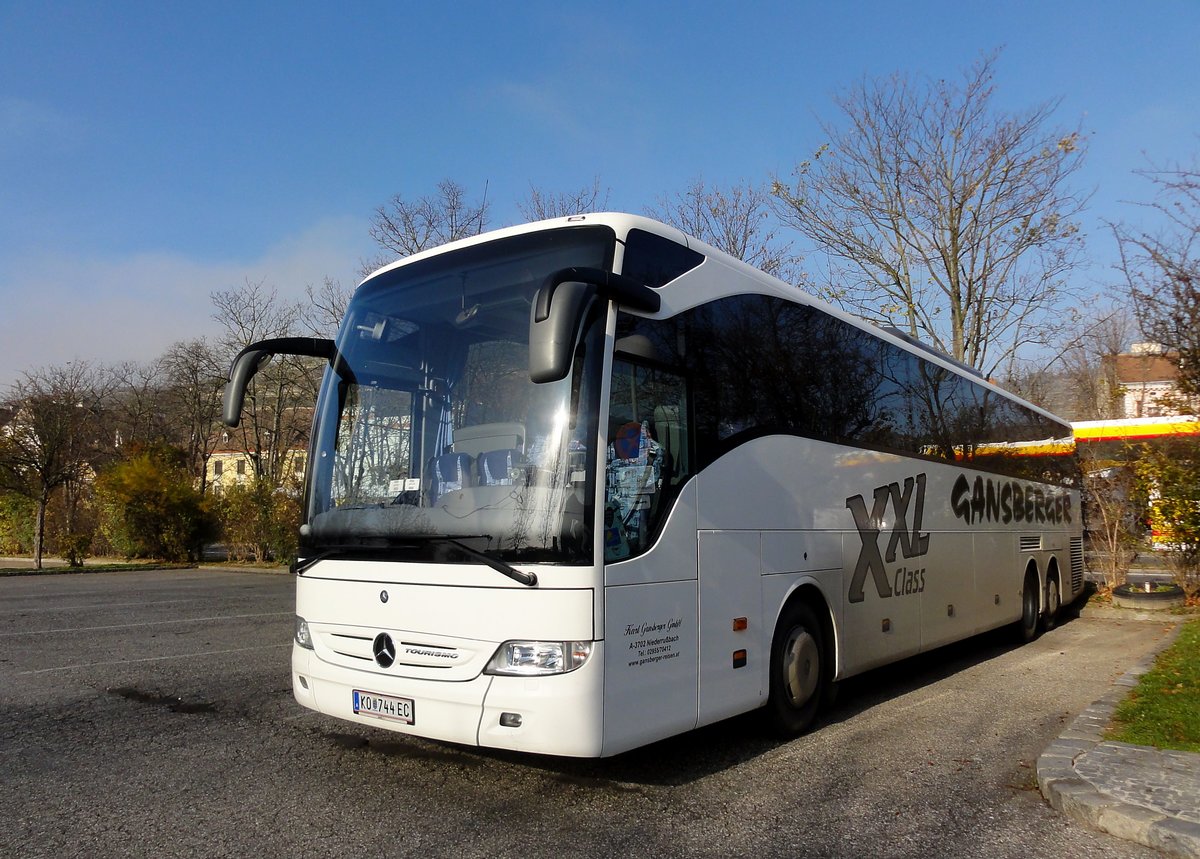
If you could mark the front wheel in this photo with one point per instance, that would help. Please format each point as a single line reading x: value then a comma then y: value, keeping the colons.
x: 799, y: 673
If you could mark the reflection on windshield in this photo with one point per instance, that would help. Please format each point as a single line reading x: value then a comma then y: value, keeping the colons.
x: 429, y: 425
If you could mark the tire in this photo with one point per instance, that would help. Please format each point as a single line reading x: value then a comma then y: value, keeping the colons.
x: 800, y: 674
x: 1053, y: 604
x: 1028, y: 626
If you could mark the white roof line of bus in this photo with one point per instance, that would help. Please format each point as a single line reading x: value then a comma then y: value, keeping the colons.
x: 621, y: 222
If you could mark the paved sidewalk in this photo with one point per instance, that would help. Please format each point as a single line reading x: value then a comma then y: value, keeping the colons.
x: 1138, y: 793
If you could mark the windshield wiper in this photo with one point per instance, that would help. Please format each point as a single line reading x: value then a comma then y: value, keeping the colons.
x: 527, y: 579
x: 300, y: 565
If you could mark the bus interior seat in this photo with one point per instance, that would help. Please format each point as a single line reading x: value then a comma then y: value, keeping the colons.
x: 494, y: 467
x: 448, y: 473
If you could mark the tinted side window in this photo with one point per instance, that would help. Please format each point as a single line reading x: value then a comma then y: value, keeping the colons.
x: 758, y: 366
x: 654, y: 260
x: 763, y: 366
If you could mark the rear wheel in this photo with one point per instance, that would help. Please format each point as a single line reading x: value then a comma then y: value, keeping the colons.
x: 1053, y: 604
x: 1027, y: 626
x: 799, y: 675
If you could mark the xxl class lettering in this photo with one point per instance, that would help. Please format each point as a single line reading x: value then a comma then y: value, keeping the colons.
x: 905, y: 537
x: 988, y: 500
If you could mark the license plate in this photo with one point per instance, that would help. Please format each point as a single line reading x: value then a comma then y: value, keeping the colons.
x: 384, y: 707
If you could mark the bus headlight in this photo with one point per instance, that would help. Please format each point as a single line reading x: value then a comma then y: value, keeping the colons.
x: 303, y: 636
x: 537, y: 658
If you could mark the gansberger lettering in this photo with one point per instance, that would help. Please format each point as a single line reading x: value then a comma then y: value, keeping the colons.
x: 988, y: 500
x: 441, y: 654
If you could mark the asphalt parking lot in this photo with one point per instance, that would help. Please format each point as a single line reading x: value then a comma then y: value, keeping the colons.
x: 150, y: 714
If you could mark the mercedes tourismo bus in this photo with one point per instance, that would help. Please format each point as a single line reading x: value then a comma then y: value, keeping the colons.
x: 582, y: 484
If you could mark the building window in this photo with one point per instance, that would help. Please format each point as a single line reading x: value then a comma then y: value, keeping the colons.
x: 241, y: 466
x: 218, y: 467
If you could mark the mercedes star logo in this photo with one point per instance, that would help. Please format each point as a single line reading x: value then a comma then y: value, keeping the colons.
x: 384, y: 650
x: 383, y: 596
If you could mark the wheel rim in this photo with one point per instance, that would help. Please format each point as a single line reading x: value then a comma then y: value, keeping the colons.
x: 1052, y: 599
x: 801, y: 667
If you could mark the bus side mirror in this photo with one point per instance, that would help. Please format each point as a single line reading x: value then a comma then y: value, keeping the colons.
x: 558, y: 310
x: 245, y: 365
x: 250, y: 359
x: 553, y: 336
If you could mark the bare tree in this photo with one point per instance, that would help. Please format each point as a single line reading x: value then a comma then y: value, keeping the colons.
x: 541, y: 205
x: 1161, y: 267
x: 1089, y: 365
x: 136, y: 406
x: 279, y: 401
x: 404, y: 227
x: 737, y: 220
x: 194, y: 377
x: 253, y: 311
x: 1079, y: 382
x: 1114, y: 509
x: 54, y: 439
x: 942, y: 214
x: 326, y: 307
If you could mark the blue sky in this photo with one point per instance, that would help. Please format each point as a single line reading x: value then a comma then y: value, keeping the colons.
x: 152, y: 153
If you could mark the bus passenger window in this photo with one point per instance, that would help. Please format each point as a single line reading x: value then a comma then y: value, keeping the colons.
x: 647, y: 455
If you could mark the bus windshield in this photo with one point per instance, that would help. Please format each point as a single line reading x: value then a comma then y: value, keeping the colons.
x: 429, y: 432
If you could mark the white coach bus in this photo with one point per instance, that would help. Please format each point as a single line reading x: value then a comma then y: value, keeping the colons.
x: 583, y: 484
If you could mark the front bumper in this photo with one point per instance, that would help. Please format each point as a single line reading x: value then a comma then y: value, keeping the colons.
x: 558, y: 715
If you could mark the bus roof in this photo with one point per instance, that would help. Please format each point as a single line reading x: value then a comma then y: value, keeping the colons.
x: 676, y: 300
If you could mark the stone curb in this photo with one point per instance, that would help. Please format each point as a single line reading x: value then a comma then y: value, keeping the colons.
x: 1078, y: 798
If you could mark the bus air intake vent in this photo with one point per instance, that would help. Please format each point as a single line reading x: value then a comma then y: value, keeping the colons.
x: 1031, y: 544
x: 351, y: 646
x: 1076, y: 564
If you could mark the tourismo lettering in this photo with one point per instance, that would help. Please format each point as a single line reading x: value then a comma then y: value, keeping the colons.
x: 988, y: 500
